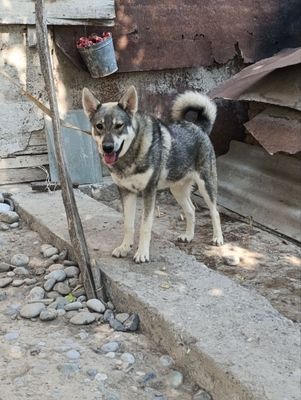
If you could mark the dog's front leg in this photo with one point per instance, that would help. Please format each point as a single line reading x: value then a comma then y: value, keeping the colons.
x: 149, y: 199
x: 129, y: 210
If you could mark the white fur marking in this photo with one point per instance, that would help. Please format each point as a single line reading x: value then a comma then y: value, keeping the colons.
x: 134, y: 183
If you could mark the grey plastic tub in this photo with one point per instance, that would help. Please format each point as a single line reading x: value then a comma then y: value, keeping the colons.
x: 100, y: 58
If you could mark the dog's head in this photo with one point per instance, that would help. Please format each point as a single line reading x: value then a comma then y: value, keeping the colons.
x: 112, y: 126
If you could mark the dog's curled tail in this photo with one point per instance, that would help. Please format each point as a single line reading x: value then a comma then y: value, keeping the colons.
x: 201, y: 108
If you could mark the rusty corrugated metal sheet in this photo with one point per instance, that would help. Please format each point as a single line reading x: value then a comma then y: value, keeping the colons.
x: 263, y: 187
x: 277, y: 129
x: 235, y: 87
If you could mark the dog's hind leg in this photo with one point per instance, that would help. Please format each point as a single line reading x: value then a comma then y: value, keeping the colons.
x: 208, y: 189
x: 149, y: 199
x: 129, y: 210
x: 182, y: 195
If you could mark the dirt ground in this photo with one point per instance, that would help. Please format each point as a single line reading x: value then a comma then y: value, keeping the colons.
x: 35, y: 355
x: 267, y: 262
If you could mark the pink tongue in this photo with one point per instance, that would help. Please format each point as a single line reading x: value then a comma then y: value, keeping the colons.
x: 110, y: 158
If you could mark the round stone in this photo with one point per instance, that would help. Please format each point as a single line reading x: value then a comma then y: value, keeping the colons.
x: 53, y: 295
x: 72, y: 272
x: 62, y: 288
x: 128, y: 358
x: 5, y: 267
x: 122, y: 317
x: 55, y: 267
x: 110, y: 354
x: 14, y: 225
x: 132, y: 323
x: 18, y: 282
x: 4, y: 227
x: 48, y: 315
x: 60, y: 312
x: 20, y: 260
x: 30, y: 281
x: 100, y: 377
x: 73, y: 306
x: 12, y: 335
x: 48, y: 285
x: 91, y: 372
x: 83, y: 318
x: 49, y: 252
x: 232, y: 260
x: 73, y: 355
x: 58, y: 276
x: 5, y: 282
x: 108, y: 316
x: 175, y: 379
x: 44, y: 247
x: 9, y: 217
x: 110, y: 347
x: 81, y: 299
x: 73, y: 282
x: 10, y: 274
x: 166, y: 361
x: 36, y: 293
x: 21, y: 271
x: 96, y: 305
x: 32, y: 310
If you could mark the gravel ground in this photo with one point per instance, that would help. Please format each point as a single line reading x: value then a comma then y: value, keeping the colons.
x: 58, y: 360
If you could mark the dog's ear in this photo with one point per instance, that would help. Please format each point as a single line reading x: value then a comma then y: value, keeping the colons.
x: 129, y: 101
x: 90, y: 103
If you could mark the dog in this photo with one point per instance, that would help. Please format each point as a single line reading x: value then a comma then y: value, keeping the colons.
x: 144, y: 155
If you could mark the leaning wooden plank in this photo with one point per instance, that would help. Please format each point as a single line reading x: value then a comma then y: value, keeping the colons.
x: 20, y: 175
x: 23, y: 161
x: 74, y: 223
x: 44, y: 187
x: 36, y: 149
x: 59, y: 12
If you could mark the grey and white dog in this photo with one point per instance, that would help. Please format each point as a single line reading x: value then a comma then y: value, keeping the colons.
x: 144, y: 155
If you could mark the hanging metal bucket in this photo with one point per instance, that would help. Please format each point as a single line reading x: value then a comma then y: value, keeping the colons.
x: 100, y: 58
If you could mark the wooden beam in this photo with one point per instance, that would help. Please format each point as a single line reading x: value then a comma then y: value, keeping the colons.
x: 24, y: 161
x: 60, y: 12
x: 74, y: 223
x: 21, y: 175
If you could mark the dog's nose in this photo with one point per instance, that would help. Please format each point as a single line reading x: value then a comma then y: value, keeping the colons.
x: 108, y: 147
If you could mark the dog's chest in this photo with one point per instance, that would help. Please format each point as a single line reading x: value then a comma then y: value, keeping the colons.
x: 133, y: 182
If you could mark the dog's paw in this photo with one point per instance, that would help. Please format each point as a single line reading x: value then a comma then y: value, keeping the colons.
x: 121, y: 251
x: 218, y: 241
x: 141, y: 256
x: 185, y: 238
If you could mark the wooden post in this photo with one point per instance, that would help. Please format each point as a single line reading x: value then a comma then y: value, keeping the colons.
x: 74, y: 223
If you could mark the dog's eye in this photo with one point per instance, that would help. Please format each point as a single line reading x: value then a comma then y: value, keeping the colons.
x: 99, y: 126
x: 119, y: 125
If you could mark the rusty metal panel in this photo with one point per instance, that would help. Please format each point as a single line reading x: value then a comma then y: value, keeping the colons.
x: 282, y: 87
x: 265, y: 188
x: 154, y: 35
x: 277, y: 129
x: 235, y: 87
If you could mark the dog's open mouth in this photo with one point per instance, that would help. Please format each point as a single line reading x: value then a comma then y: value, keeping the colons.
x: 111, y: 158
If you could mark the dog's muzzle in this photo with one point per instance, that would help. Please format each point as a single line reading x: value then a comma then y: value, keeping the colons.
x: 109, y: 155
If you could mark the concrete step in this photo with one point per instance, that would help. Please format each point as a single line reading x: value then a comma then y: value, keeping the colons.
x: 229, y: 339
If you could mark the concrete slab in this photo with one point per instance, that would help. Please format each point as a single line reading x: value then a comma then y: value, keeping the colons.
x: 229, y: 339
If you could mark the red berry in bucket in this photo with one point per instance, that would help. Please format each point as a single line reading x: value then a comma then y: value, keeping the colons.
x: 84, y: 42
